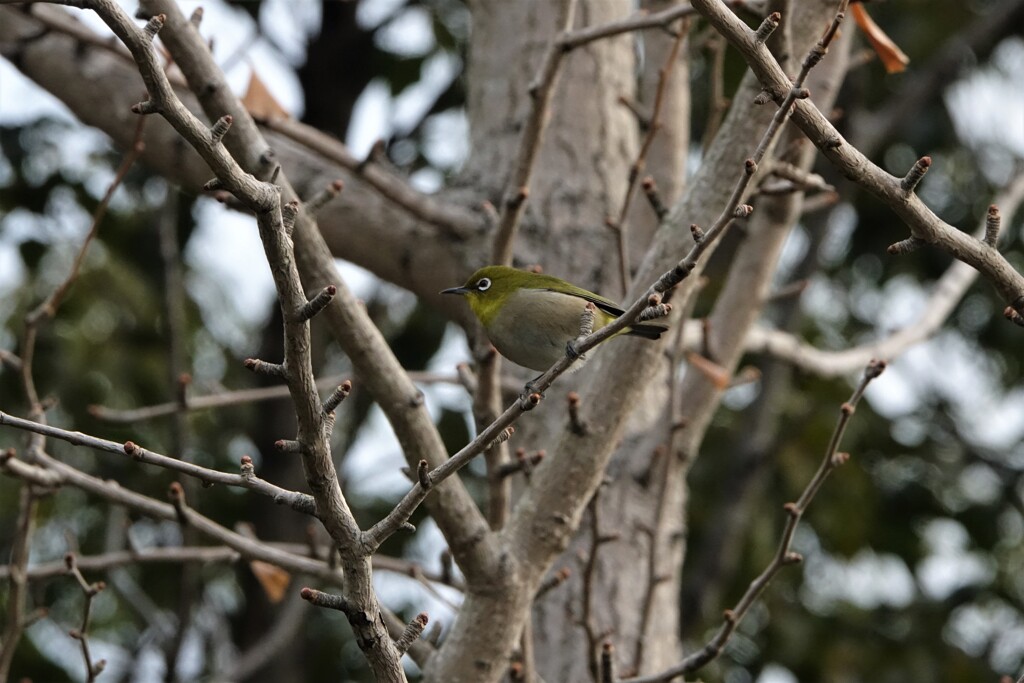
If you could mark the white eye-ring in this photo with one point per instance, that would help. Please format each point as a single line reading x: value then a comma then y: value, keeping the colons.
x: 483, y: 284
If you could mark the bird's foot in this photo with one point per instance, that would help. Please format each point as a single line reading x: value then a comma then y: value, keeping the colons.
x: 571, y: 352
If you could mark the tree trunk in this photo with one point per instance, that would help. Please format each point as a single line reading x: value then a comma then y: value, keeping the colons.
x: 579, y: 180
x: 609, y: 600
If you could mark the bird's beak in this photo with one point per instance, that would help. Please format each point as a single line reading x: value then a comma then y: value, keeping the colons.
x: 455, y: 290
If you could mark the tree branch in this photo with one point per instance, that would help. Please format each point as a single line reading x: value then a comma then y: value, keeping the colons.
x: 255, y: 395
x: 453, y: 221
x: 18, y: 576
x: 923, y: 223
x: 783, y: 556
x: 265, y: 202
x: 81, y: 634
x: 541, y: 90
x: 300, y: 502
x: 620, y: 224
x: 637, y: 22
x: 946, y: 294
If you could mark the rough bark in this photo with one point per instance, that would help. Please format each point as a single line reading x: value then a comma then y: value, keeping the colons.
x: 579, y: 176
x: 626, y: 506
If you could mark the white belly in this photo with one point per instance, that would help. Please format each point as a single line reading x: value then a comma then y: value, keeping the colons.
x: 554, y: 321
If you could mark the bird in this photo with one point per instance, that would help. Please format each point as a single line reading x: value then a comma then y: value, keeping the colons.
x: 532, y: 319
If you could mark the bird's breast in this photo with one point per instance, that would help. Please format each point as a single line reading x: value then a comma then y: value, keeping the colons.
x: 533, y: 326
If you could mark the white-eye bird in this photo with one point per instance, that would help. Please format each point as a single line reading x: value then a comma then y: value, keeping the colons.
x: 531, y: 318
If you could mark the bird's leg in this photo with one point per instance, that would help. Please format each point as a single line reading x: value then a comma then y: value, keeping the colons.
x: 586, y: 329
x: 531, y: 397
x: 529, y: 388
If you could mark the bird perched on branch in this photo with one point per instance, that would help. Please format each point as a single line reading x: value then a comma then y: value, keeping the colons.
x: 532, y: 319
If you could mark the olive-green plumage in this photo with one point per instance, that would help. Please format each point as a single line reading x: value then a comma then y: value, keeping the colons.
x: 530, y: 318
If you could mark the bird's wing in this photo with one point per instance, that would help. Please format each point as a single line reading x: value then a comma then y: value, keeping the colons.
x: 606, y: 305
x: 650, y: 331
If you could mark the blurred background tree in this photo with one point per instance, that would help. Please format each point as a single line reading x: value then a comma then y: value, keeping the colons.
x: 913, y: 555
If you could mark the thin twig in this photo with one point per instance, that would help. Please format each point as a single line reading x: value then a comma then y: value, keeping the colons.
x: 802, y: 180
x: 783, y: 555
x: 718, y: 103
x: 412, y: 632
x: 541, y: 91
x: 449, y: 219
x: 124, y: 558
x: 553, y: 581
x: 946, y: 294
x: 923, y: 223
x: 81, y: 634
x: 637, y: 22
x: 523, y: 463
x: 18, y: 577
x: 213, y: 555
x: 246, y: 396
x: 637, y: 168
x: 300, y: 502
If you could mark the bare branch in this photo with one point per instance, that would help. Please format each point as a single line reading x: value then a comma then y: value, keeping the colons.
x: 124, y: 558
x: 60, y: 474
x: 946, y: 294
x: 18, y: 576
x: 923, y: 223
x: 783, y: 555
x: 555, y: 580
x: 242, y: 396
x: 316, y: 304
x: 637, y: 168
x: 300, y: 502
x: 541, y: 91
x: 451, y: 220
x: 654, y: 197
x: 637, y: 22
x: 412, y: 632
x: 81, y: 634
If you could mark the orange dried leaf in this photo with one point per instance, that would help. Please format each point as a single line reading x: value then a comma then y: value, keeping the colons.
x: 715, y: 373
x: 889, y: 52
x: 260, y: 103
x: 273, y: 580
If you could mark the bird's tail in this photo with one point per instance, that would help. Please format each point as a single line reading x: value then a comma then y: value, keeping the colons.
x: 647, y: 331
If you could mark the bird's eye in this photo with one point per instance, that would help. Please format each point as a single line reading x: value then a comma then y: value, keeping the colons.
x: 483, y: 284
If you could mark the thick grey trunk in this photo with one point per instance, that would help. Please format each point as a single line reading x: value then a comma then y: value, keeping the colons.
x: 641, y: 479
